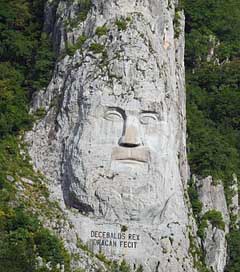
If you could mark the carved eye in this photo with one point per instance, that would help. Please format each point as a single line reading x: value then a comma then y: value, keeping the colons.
x: 114, y: 116
x: 148, y: 118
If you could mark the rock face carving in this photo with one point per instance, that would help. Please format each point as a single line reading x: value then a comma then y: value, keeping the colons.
x: 123, y: 156
x: 113, y: 140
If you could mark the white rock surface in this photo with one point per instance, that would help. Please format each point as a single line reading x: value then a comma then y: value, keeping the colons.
x: 216, y: 249
x: 113, y: 141
x: 215, y: 245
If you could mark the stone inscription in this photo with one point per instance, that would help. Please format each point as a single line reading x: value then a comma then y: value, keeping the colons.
x: 114, y: 239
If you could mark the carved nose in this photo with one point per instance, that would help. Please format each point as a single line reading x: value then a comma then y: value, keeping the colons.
x: 130, y: 137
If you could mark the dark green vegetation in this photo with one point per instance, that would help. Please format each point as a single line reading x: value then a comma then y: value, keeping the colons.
x: 215, y: 218
x: 85, y: 6
x: 97, y: 48
x: 233, y: 251
x: 176, y: 23
x: 122, y: 23
x: 213, y: 101
x: 213, y: 78
x: 193, y: 196
x: 71, y: 49
x: 26, y: 60
x: 101, y: 31
x: 23, y: 239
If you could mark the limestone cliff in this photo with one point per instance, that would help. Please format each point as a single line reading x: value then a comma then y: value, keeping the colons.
x: 112, y: 143
x: 214, y: 243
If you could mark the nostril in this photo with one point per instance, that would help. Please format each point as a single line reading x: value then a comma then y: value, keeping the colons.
x: 128, y: 144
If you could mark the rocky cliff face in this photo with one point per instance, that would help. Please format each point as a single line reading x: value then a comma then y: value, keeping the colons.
x: 112, y: 143
x: 212, y: 197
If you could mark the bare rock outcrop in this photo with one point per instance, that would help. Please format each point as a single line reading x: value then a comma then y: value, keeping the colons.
x: 112, y: 143
x: 212, y: 196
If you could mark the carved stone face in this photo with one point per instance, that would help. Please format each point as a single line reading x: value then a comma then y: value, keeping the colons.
x: 121, y: 159
x: 128, y: 146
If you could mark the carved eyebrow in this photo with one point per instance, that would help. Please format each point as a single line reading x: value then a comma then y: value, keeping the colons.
x: 119, y: 110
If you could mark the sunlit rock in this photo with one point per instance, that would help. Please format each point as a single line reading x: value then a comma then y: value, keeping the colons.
x: 113, y: 141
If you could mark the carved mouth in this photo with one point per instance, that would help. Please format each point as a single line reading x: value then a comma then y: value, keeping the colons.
x: 129, y: 155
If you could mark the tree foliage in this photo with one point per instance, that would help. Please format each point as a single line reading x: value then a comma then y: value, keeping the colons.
x: 213, y: 101
x: 24, y: 240
x: 26, y: 60
x: 233, y: 251
x: 213, y: 95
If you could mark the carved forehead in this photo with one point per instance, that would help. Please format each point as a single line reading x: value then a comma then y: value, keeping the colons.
x: 142, y: 89
x: 131, y: 103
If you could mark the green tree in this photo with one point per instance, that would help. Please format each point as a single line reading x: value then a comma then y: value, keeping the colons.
x: 233, y: 251
x: 26, y: 60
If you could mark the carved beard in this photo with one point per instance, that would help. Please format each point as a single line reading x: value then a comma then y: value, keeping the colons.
x: 119, y: 192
